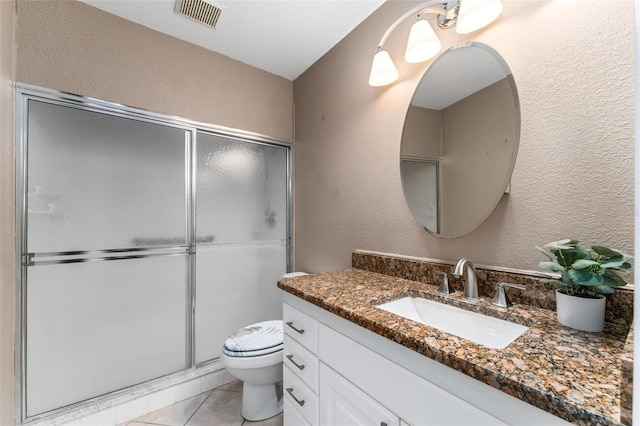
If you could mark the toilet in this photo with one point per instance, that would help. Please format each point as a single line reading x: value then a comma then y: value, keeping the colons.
x: 253, y: 354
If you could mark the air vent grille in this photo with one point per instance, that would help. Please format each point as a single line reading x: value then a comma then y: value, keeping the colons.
x: 206, y: 12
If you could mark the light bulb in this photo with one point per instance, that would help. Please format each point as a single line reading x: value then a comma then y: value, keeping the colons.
x: 383, y: 71
x: 475, y: 14
x: 423, y: 43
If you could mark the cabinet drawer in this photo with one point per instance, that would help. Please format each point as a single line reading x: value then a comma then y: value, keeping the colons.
x: 301, y: 327
x: 293, y: 417
x: 300, y: 396
x: 302, y: 362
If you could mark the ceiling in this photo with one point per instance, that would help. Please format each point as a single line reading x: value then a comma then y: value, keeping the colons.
x: 283, y: 37
x: 458, y: 73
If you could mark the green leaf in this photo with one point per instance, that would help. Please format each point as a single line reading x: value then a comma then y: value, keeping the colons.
x: 615, y: 262
x: 583, y: 263
x: 585, y: 278
x: 601, y: 289
x: 561, y: 244
x: 546, y: 253
x: 551, y: 266
x: 556, y: 282
x: 567, y: 257
x: 583, y: 253
x: 605, y: 251
x: 612, y: 279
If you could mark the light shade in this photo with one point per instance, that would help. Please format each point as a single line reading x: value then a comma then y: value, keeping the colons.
x: 423, y: 43
x: 475, y: 14
x: 383, y: 71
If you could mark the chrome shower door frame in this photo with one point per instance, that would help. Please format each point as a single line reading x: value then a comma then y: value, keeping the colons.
x: 26, y: 93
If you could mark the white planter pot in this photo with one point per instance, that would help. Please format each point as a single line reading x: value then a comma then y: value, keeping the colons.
x: 581, y: 313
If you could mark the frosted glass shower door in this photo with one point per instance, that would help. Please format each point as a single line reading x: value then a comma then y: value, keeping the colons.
x: 241, y: 203
x: 105, y: 283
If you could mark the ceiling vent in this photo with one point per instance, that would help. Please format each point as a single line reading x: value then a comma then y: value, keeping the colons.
x: 207, y: 12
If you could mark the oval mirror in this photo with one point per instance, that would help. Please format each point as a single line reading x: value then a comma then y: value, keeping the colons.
x: 460, y: 140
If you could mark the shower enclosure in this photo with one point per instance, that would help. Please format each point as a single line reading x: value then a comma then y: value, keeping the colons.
x: 145, y: 241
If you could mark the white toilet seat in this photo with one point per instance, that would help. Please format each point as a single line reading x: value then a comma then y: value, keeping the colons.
x: 254, y: 352
x: 254, y: 346
x: 261, y: 337
x: 248, y: 362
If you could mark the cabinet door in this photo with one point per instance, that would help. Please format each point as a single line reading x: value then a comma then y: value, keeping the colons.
x: 342, y: 403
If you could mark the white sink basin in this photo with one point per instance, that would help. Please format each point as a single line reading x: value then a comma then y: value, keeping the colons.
x: 482, y: 329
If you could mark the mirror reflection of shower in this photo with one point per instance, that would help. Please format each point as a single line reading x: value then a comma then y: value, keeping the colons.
x: 420, y: 178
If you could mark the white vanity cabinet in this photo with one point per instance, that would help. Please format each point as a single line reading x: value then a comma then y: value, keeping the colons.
x: 300, y: 371
x: 366, y: 379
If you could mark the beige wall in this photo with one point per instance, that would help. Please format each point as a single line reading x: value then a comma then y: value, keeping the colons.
x: 574, y: 172
x: 7, y: 218
x: 72, y: 47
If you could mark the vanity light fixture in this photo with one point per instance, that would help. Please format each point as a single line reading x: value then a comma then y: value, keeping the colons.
x: 423, y: 42
x: 466, y: 15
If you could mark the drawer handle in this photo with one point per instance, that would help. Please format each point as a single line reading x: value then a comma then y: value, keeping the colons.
x: 300, y: 366
x: 290, y: 324
x: 300, y: 403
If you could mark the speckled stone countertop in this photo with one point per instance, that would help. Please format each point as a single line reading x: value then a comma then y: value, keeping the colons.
x: 572, y: 374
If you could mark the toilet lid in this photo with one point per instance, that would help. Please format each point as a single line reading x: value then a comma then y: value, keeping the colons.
x: 256, y: 339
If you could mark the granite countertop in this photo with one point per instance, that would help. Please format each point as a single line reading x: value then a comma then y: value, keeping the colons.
x: 572, y: 374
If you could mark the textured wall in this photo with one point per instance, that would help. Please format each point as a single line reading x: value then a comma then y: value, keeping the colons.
x: 7, y: 216
x: 70, y: 46
x: 574, y: 172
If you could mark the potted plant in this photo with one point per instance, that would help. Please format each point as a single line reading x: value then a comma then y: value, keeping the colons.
x: 586, y: 276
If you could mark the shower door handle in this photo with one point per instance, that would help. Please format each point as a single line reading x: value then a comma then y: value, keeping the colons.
x: 152, y: 242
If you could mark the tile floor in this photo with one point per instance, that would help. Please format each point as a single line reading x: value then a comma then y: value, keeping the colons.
x: 218, y: 407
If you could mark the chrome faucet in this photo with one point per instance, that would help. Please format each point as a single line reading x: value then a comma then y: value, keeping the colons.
x: 471, y: 282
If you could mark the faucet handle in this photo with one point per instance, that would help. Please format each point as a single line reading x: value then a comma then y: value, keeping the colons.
x: 501, y: 299
x: 444, y: 284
